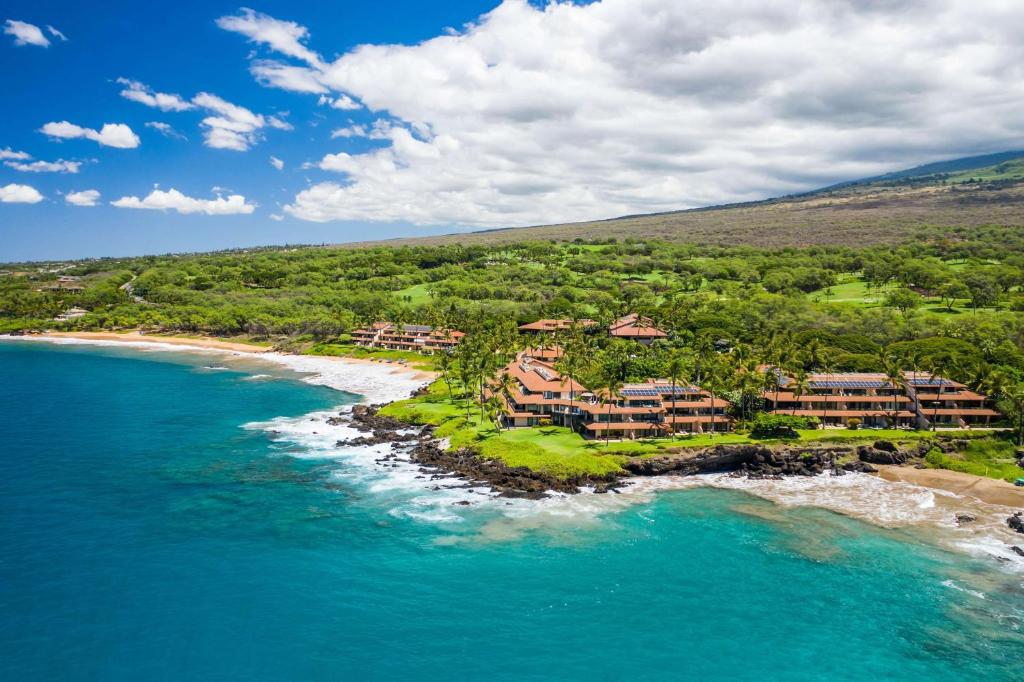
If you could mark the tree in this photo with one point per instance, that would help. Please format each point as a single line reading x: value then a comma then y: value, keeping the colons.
x: 1011, y: 403
x: 951, y: 291
x: 903, y: 300
x: 800, y: 387
x: 609, y: 395
x: 576, y: 357
x: 940, y: 367
x: 897, y: 381
x: 675, y: 369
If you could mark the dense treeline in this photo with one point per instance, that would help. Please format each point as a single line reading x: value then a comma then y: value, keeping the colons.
x: 954, y: 293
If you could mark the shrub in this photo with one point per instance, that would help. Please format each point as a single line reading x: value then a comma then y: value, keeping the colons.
x: 780, y: 425
x: 853, y: 423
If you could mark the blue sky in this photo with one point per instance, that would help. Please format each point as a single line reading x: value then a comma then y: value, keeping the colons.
x: 177, y: 50
x: 410, y: 118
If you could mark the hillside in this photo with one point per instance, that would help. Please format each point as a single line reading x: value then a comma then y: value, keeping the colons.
x: 889, y: 209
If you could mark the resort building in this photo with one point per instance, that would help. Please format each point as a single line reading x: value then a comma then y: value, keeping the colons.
x: 410, y: 337
x: 637, y: 328
x: 542, y: 394
x: 551, y: 326
x: 948, y: 404
x: 877, y: 402
x: 71, y: 314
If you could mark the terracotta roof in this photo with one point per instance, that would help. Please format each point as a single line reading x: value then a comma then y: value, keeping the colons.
x: 623, y: 426
x: 553, y: 325
x: 633, y: 325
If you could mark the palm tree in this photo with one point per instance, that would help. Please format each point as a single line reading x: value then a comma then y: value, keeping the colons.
x: 801, y: 386
x: 940, y: 366
x: 444, y: 364
x: 503, y: 387
x: 1012, y: 405
x: 575, y: 356
x: 675, y: 369
x: 714, y: 383
x: 894, y: 375
x: 608, y: 394
x: 825, y: 363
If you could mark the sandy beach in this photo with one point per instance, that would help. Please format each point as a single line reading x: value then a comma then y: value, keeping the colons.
x: 138, y: 337
x: 987, y: 490
x: 377, y: 381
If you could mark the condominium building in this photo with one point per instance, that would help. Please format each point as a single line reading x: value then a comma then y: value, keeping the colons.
x: 877, y: 402
x: 637, y: 328
x: 638, y: 410
x: 551, y: 326
x: 411, y: 337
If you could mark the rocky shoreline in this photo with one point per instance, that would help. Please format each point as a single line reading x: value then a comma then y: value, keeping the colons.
x: 750, y: 460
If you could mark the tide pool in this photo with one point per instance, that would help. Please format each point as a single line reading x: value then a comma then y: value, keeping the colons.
x: 169, y: 516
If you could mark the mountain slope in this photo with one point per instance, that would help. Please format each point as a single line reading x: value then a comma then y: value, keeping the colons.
x: 888, y: 209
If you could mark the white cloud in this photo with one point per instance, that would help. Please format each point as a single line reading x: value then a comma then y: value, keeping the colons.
x: 142, y: 93
x: 574, y: 111
x: 349, y: 131
x: 176, y: 201
x: 276, y: 217
x: 165, y: 129
x: 276, y: 163
x: 8, y: 153
x: 89, y: 197
x: 20, y: 194
x: 58, y: 166
x: 343, y: 102
x: 233, y: 127
x: 294, y: 78
x: 56, y: 34
x: 25, y: 34
x: 285, y: 37
x: 111, y: 135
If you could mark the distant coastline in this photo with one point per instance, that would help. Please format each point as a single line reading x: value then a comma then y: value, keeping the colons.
x: 375, y: 382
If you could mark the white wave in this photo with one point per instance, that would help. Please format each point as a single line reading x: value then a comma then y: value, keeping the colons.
x: 377, y: 383
x: 259, y: 377
x: 953, y: 586
x: 386, y: 472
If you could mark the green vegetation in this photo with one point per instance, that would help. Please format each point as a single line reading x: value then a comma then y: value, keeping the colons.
x: 839, y: 280
x: 990, y: 457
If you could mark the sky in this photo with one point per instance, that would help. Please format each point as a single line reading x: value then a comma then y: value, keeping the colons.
x: 132, y: 128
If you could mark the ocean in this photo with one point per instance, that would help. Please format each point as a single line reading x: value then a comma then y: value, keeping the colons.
x: 181, y: 516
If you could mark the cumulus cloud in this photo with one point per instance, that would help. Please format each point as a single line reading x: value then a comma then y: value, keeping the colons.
x: 110, y: 135
x: 232, y: 126
x: 89, y: 197
x: 8, y: 153
x: 343, y: 102
x: 25, y: 33
x: 165, y: 129
x: 285, y: 37
x: 142, y: 93
x: 276, y: 163
x: 574, y: 111
x: 20, y: 194
x: 174, y: 200
x: 58, y: 166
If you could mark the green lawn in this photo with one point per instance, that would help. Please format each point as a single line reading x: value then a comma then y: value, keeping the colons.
x: 990, y: 458
x: 417, y: 294
x: 348, y: 350
x: 560, y: 452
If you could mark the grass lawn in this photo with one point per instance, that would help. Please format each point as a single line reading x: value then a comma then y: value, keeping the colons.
x: 417, y: 294
x: 990, y: 458
x: 558, y: 451
x: 348, y: 350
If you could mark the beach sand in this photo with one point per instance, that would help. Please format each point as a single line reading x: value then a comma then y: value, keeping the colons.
x: 989, y: 490
x: 376, y: 380
x: 137, y: 337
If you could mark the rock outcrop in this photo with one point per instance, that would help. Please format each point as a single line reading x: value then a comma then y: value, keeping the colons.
x: 1016, y: 522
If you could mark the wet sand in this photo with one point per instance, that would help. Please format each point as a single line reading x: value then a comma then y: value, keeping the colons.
x: 987, y: 490
x: 136, y: 337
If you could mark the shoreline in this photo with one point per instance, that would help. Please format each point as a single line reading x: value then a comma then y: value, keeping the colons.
x: 987, y: 490
x: 374, y: 382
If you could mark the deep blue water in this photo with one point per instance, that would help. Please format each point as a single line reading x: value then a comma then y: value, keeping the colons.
x: 144, y: 534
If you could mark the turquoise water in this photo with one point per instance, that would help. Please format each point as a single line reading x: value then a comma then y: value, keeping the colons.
x: 144, y: 534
